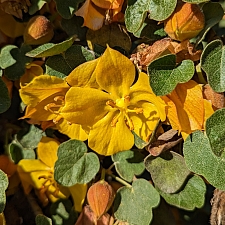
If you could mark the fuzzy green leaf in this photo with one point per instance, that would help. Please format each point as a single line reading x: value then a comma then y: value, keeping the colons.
x: 136, y: 12
x: 165, y: 74
x: 139, y: 143
x: 66, y: 8
x: 13, y: 60
x: 168, y: 171
x: 200, y: 159
x: 3, y: 186
x: 128, y: 164
x: 213, y: 13
x: 74, y: 26
x: 190, y: 197
x: 134, y: 204
x: 216, y: 132
x: 42, y: 220
x: 50, y: 49
x: 62, y: 65
x: 5, y: 100
x: 30, y: 136
x: 195, y: 1
x: 74, y: 164
x: 213, y: 63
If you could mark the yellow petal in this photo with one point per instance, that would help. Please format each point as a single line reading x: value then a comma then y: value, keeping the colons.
x: 60, y: 192
x: 47, y: 151
x: 78, y: 192
x: 31, y: 165
x: 115, y: 73
x: 42, y: 87
x: 83, y: 75
x: 84, y: 106
x: 73, y: 131
x: 142, y: 90
x: 186, y: 107
x: 93, y: 17
x: 144, y: 123
x: 38, y: 178
x: 108, y: 140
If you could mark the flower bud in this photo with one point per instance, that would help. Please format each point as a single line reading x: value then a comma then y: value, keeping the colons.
x: 100, y: 197
x: 39, y: 30
x: 185, y: 23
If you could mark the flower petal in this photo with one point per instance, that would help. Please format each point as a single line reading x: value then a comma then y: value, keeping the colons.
x: 186, y: 107
x: 115, y: 73
x: 47, y: 151
x: 108, y: 140
x: 93, y: 16
x: 78, y: 192
x: 30, y: 165
x: 84, y: 106
x: 110, y: 4
x: 144, y: 123
x: 42, y: 87
x: 142, y: 90
x: 73, y: 131
x: 83, y: 75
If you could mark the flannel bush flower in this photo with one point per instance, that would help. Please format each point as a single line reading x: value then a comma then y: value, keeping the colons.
x: 39, y: 173
x: 115, y: 107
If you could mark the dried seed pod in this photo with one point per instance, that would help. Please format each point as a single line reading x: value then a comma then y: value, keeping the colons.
x: 100, y: 197
x: 185, y: 23
x: 39, y: 30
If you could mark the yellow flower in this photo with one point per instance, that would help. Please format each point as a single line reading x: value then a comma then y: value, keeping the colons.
x: 117, y: 107
x: 95, y: 12
x: 39, y: 173
x: 44, y: 97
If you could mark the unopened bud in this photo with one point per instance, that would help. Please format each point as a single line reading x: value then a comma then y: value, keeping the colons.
x: 100, y: 197
x: 39, y: 30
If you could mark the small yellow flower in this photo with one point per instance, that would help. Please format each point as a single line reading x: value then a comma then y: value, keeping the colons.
x: 44, y: 96
x: 117, y: 107
x: 39, y: 173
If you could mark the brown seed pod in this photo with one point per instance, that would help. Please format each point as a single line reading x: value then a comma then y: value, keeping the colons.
x: 39, y: 30
x: 100, y: 197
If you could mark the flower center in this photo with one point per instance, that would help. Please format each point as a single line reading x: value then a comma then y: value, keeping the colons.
x: 122, y: 104
x: 54, y: 107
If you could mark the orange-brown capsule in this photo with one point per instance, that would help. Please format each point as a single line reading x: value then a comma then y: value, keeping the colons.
x: 39, y: 30
x: 185, y: 23
x: 100, y: 197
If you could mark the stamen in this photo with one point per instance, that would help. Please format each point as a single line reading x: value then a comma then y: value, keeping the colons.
x: 115, y: 120
x: 129, y: 122
x: 111, y: 103
x: 136, y: 110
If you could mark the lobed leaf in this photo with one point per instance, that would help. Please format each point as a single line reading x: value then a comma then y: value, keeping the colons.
x: 137, y: 10
x: 62, y: 65
x: 213, y: 63
x: 191, y: 196
x: 13, y: 60
x: 50, y: 49
x: 200, y: 159
x: 195, y: 1
x: 164, y: 74
x: 134, y: 204
x: 128, y: 164
x: 216, y: 132
x: 139, y: 143
x: 74, y: 164
x: 168, y: 171
x: 213, y: 13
